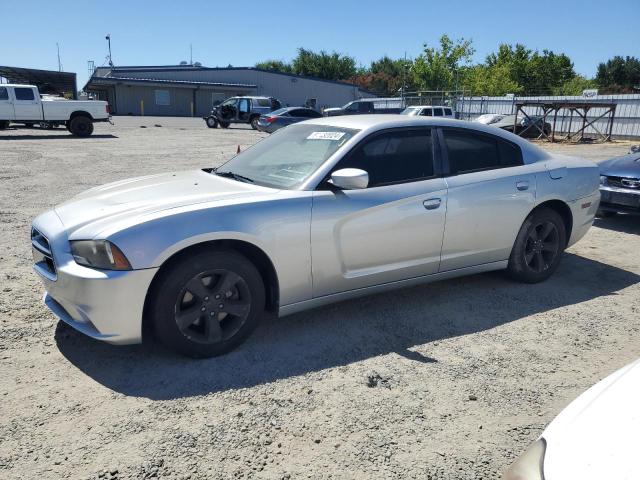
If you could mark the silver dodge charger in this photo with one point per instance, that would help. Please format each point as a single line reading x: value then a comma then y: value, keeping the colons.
x: 321, y: 211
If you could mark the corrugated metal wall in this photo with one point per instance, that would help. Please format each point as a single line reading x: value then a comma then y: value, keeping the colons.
x: 626, y: 121
x: 291, y: 90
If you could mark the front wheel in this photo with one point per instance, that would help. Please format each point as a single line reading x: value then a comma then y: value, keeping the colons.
x: 208, y: 304
x: 538, y: 247
x: 254, y: 123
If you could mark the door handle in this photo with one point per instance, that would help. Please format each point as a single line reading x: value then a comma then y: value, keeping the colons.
x: 522, y: 185
x: 431, y: 203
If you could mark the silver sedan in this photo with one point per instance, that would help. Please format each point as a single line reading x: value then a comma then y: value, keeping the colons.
x: 321, y: 211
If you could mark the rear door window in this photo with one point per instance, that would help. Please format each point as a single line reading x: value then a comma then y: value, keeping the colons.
x: 437, y: 112
x: 468, y: 151
x: 24, y: 93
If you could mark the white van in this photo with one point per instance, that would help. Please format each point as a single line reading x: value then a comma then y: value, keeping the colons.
x: 429, y: 111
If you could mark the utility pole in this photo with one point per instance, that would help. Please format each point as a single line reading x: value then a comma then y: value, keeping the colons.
x: 404, y: 68
x: 191, y: 54
x: 108, y: 38
x: 59, y: 64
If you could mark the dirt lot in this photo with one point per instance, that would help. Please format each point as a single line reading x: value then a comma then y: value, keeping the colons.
x: 445, y: 381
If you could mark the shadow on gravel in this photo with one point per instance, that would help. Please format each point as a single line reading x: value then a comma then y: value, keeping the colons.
x: 52, y: 137
x: 343, y: 333
x: 620, y: 223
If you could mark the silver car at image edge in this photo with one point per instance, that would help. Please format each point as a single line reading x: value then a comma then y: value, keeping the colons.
x: 320, y: 211
x: 593, y: 438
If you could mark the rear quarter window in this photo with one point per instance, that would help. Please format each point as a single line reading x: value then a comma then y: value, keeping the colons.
x: 263, y: 102
x: 4, y: 94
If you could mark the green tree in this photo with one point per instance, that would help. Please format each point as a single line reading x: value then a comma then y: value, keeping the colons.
x: 576, y: 85
x: 619, y: 75
x: 490, y: 80
x: 330, y: 66
x: 384, y: 76
x: 440, y: 68
x: 274, y: 65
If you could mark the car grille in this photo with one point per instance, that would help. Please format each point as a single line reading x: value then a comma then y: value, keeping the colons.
x: 624, y: 182
x: 42, y: 256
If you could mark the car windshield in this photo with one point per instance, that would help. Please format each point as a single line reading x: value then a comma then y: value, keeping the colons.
x: 288, y: 157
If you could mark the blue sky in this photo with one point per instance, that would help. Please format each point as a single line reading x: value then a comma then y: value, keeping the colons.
x: 246, y: 31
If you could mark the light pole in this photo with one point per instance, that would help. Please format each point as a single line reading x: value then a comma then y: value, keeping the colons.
x: 108, y: 38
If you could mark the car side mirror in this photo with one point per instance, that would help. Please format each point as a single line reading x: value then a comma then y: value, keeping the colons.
x: 350, y: 179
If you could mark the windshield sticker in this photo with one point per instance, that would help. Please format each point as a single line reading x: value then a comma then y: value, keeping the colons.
x: 325, y: 136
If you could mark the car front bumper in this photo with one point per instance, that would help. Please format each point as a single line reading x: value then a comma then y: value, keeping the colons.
x: 616, y: 199
x: 103, y: 304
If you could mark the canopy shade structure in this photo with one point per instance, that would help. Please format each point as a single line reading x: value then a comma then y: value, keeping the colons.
x: 47, y: 81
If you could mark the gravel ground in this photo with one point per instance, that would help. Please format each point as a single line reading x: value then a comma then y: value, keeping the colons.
x: 445, y: 381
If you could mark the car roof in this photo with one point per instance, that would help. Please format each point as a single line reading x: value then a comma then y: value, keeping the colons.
x: 429, y: 106
x: 371, y: 123
x: 16, y: 85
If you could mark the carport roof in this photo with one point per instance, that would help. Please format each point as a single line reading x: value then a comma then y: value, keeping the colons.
x: 47, y: 81
x: 111, y: 80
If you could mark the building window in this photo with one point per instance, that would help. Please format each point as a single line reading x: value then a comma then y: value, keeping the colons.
x: 162, y: 97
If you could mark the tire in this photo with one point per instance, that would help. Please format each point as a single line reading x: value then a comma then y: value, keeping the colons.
x: 190, y: 302
x: 211, y: 122
x: 606, y: 213
x: 4, y: 125
x: 224, y: 124
x: 538, y: 247
x: 81, y: 126
x: 254, y: 122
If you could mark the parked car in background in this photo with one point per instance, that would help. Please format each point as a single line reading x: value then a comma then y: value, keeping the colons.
x: 524, y: 126
x: 489, y: 118
x: 285, y: 116
x: 241, y: 110
x: 367, y: 106
x: 382, y: 201
x: 620, y: 185
x: 429, y: 111
x: 23, y: 104
x: 594, y: 438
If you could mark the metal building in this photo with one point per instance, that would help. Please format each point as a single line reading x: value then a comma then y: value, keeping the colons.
x: 191, y: 91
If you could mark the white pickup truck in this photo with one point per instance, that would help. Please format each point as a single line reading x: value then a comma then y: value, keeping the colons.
x: 23, y: 104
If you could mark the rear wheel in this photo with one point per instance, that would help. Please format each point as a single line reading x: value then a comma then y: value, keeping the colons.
x: 208, y: 303
x: 538, y: 247
x: 224, y: 124
x: 254, y: 122
x: 212, y: 122
x: 81, y: 126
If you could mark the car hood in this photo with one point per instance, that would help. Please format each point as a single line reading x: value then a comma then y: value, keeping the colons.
x: 596, y: 436
x: 624, y: 166
x: 145, y: 195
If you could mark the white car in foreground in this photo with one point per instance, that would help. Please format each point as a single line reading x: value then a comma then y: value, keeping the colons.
x: 597, y: 437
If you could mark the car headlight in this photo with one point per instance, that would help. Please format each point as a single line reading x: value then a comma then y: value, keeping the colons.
x: 529, y: 465
x: 603, y: 180
x: 100, y: 254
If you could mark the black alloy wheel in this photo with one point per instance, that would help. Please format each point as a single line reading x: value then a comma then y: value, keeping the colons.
x: 542, y: 247
x: 213, y: 306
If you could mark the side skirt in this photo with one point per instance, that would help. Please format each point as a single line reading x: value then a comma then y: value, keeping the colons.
x: 361, y: 292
